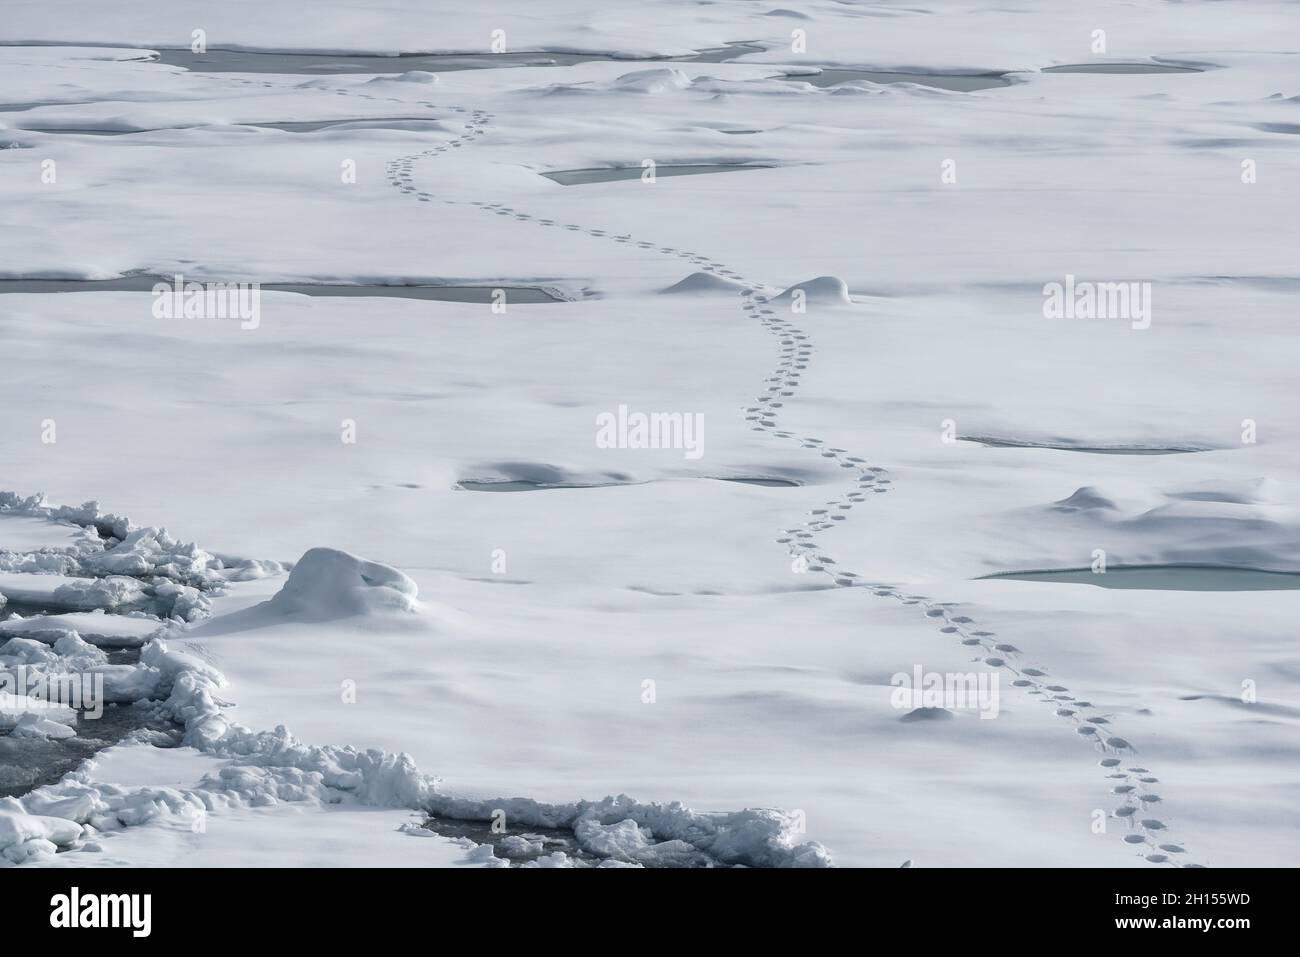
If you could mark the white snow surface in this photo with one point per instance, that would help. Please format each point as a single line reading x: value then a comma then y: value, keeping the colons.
x: 96, y: 627
x: 503, y: 641
x: 328, y: 583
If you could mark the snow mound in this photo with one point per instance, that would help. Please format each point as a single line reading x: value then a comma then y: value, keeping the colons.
x: 410, y: 76
x: 1086, y: 497
x: 703, y: 283
x: 926, y: 714
x: 328, y: 583
x: 658, y: 80
x: 1220, y: 523
x: 827, y: 290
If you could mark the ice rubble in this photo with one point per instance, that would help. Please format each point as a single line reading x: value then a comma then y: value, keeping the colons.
x: 622, y: 829
x: 113, y: 631
x: 410, y: 76
x: 86, y: 514
x: 274, y: 766
x: 759, y: 837
x: 33, y: 725
x: 14, y: 708
x: 69, y: 651
x: 268, y: 767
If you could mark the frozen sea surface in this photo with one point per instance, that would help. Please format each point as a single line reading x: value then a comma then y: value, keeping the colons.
x: 720, y: 622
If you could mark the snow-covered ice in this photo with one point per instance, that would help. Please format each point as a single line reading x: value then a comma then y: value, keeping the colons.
x: 293, y: 571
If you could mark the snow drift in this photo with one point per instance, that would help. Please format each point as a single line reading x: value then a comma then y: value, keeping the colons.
x: 328, y: 583
x: 826, y: 290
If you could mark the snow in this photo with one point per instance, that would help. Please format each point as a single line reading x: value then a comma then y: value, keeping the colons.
x: 15, y: 707
x: 329, y: 836
x: 33, y: 589
x: 824, y: 290
x: 23, y: 534
x: 651, y: 81
x: 703, y: 283
x: 31, y: 725
x: 503, y: 642
x: 23, y: 834
x: 95, y: 626
x: 327, y: 583
x: 410, y: 76
x: 139, y: 765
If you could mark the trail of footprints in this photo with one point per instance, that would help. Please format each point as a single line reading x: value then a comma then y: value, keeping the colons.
x: 1132, y: 787
x: 1136, y: 802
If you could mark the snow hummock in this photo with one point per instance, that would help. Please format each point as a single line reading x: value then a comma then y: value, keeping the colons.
x: 327, y: 583
x: 1085, y: 497
x: 410, y: 76
x: 703, y: 283
x: 830, y: 290
x: 95, y: 626
x: 657, y: 80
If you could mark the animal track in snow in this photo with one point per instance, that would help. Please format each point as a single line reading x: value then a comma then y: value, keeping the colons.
x: 795, y: 350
